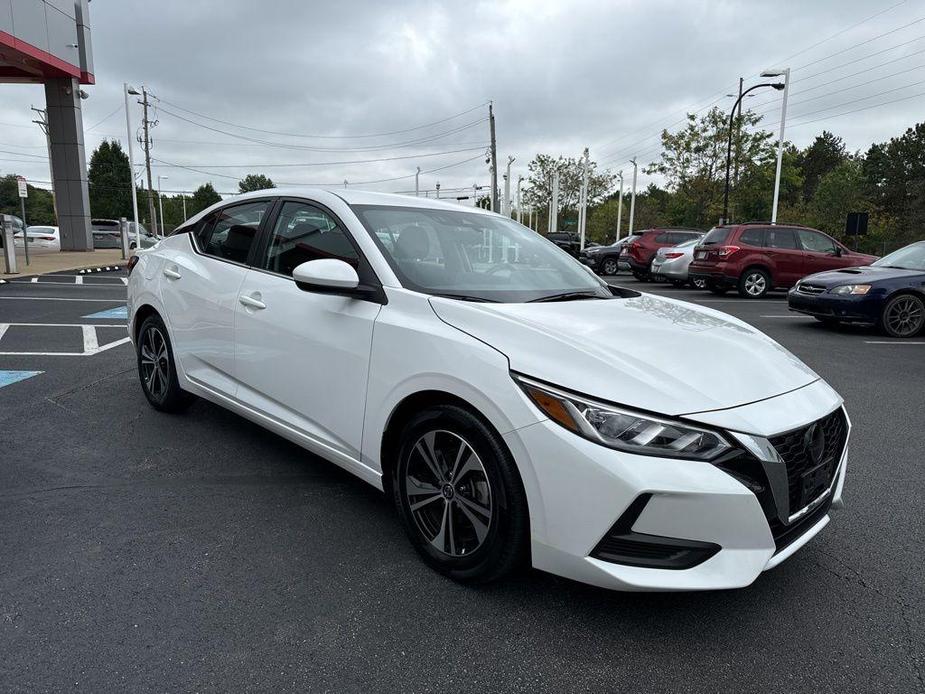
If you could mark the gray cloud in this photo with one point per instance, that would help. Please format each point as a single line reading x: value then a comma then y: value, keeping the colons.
x: 563, y: 75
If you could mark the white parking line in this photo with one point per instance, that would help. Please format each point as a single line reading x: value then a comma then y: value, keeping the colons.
x: 59, y: 298
x: 784, y: 315
x: 90, y: 340
x: 891, y: 342
x: 35, y: 280
x: 91, y: 344
x: 4, y: 326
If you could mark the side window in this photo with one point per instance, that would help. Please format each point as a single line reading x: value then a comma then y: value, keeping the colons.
x: 230, y: 232
x: 664, y: 237
x: 304, y: 232
x: 753, y: 237
x: 816, y: 242
x: 781, y: 238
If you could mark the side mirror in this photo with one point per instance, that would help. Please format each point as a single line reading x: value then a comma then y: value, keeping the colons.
x: 839, y: 252
x: 332, y: 276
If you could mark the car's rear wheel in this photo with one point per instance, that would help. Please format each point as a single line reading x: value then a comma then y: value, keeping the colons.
x: 156, y: 368
x: 903, y: 316
x: 699, y: 283
x: 609, y: 266
x: 754, y: 283
x: 459, y: 495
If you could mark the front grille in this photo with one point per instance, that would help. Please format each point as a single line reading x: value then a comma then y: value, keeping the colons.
x: 784, y: 535
x: 808, y: 478
x: 812, y: 289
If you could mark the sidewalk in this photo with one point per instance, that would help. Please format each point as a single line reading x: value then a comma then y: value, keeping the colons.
x: 43, y: 263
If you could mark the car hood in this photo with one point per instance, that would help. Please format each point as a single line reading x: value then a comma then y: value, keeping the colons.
x: 648, y: 352
x: 858, y: 275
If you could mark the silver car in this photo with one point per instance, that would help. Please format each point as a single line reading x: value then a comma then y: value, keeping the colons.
x: 106, y: 234
x: 671, y: 262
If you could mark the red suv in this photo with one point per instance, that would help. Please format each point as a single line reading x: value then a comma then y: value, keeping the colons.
x: 639, y: 252
x: 756, y: 258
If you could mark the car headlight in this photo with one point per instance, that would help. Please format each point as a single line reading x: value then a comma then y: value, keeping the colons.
x: 857, y: 289
x: 621, y: 428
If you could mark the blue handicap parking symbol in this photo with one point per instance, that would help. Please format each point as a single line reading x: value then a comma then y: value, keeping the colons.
x: 111, y: 313
x: 9, y: 377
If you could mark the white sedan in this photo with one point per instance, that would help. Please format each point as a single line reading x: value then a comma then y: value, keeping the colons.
x: 517, y: 409
x: 42, y: 239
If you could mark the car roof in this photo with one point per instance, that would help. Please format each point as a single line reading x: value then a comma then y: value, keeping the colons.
x: 349, y: 195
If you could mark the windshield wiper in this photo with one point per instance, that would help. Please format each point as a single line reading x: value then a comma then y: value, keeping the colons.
x: 567, y: 296
x: 467, y: 297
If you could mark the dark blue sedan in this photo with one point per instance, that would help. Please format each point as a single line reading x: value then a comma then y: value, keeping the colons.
x: 889, y: 293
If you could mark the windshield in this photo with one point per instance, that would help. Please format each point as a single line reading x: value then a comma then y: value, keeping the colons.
x: 714, y: 236
x: 688, y: 244
x: 908, y: 258
x: 474, y: 256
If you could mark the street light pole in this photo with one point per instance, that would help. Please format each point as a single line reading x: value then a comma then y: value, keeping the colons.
x: 160, y: 202
x: 633, y: 196
x: 732, y: 113
x: 620, y: 205
x: 506, y: 207
x: 583, y: 201
x: 126, y: 89
x: 519, y: 211
x: 417, y: 189
x: 785, y: 73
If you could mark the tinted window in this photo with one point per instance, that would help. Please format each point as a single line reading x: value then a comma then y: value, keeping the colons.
x: 814, y: 241
x: 304, y: 232
x: 716, y: 235
x: 781, y: 238
x: 682, y: 236
x: 753, y: 237
x: 664, y: 237
x: 229, y: 233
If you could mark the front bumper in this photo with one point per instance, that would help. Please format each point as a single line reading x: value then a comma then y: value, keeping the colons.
x: 579, y: 491
x: 864, y: 310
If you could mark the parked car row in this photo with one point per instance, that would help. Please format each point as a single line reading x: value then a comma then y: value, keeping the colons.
x: 106, y: 234
x: 825, y: 278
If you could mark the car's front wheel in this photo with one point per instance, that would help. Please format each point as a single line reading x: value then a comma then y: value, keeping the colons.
x: 460, y: 497
x: 903, y: 316
x: 754, y: 283
x: 157, y: 369
x: 609, y: 266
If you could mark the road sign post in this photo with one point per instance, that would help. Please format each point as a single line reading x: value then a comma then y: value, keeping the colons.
x: 9, y: 252
x: 23, y: 194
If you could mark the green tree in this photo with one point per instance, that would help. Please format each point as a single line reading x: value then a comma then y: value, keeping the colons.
x: 825, y: 154
x: 109, y: 177
x: 839, y: 192
x: 254, y: 182
x: 894, y: 179
x: 539, y: 183
x: 39, y: 204
x: 204, y: 196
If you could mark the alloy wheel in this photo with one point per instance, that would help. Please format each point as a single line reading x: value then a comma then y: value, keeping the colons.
x: 905, y: 316
x: 155, y: 364
x: 448, y: 493
x: 699, y: 283
x: 610, y: 267
x: 755, y: 284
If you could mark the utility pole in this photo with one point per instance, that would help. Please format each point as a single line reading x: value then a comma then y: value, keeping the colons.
x: 735, y: 175
x: 146, y: 145
x: 494, y: 159
x: 620, y: 205
x: 438, y: 190
x: 160, y: 203
x: 633, y: 195
x: 519, y: 210
x: 553, y: 221
x: 417, y: 188
x: 43, y: 124
x: 583, y: 200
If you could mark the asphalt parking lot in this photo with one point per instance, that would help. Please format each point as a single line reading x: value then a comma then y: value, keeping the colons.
x: 148, y: 552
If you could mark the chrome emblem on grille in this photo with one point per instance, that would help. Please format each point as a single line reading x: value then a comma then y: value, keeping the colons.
x: 814, y: 443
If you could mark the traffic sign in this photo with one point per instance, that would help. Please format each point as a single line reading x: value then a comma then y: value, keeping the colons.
x: 23, y: 189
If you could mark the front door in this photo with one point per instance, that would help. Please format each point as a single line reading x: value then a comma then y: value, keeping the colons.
x: 821, y: 252
x: 200, y: 288
x: 303, y: 358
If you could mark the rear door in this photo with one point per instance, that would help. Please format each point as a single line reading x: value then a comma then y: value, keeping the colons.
x: 785, y: 255
x: 819, y: 250
x: 199, y: 289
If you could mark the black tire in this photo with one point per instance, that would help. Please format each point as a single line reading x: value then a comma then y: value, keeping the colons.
x: 754, y: 283
x: 903, y: 316
x: 715, y: 288
x: 157, y: 371
x: 475, y: 546
x: 678, y: 284
x: 698, y: 283
x: 609, y: 266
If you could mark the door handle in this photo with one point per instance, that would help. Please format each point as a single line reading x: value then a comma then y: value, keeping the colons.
x: 171, y: 274
x: 251, y: 301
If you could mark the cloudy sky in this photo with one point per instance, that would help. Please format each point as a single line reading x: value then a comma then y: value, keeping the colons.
x: 293, y: 89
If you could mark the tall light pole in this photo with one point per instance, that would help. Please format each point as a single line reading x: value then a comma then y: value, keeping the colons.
x: 633, y: 196
x: 183, y: 197
x: 506, y: 207
x: 417, y: 189
x: 732, y: 114
x: 583, y: 200
x: 620, y: 205
x: 126, y: 90
x: 785, y: 73
x: 160, y: 202
x: 519, y: 210
x: 553, y: 220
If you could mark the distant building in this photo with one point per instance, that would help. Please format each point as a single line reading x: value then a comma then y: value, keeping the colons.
x: 48, y: 42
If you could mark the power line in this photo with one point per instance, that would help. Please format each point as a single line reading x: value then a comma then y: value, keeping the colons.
x: 118, y: 109
x: 328, y: 137
x: 862, y: 43
x: 798, y: 123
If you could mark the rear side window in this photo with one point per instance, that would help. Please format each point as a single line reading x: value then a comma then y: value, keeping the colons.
x: 716, y: 235
x: 753, y: 237
x: 682, y: 236
x: 230, y: 232
x: 781, y: 238
x: 664, y: 237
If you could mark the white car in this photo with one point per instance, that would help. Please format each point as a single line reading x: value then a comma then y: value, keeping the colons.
x: 670, y: 263
x: 516, y: 408
x: 42, y: 239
